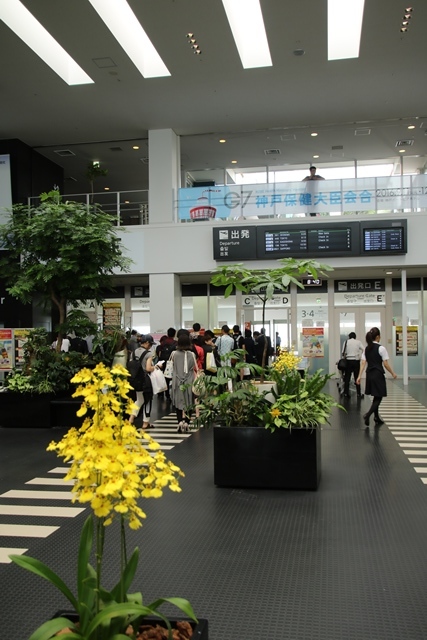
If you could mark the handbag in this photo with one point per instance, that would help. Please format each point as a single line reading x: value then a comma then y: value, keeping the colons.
x: 158, y: 381
x: 168, y: 372
x: 198, y: 386
x: 342, y: 362
x: 210, y: 362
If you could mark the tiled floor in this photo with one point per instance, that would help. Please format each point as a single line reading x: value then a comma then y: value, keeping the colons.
x: 345, y: 562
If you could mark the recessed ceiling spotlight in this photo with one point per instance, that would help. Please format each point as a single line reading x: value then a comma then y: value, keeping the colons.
x: 135, y: 146
x: 222, y: 140
x: 402, y: 150
x: 409, y: 9
x: 316, y: 156
x: 190, y: 35
x: 314, y: 134
x: 411, y: 126
x: 198, y: 52
x: 405, y: 23
x: 234, y: 162
x: 403, y: 29
x: 389, y: 273
x: 407, y: 16
x: 106, y: 188
x: 127, y: 201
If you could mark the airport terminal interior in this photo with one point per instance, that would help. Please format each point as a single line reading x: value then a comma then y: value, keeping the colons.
x: 310, y: 143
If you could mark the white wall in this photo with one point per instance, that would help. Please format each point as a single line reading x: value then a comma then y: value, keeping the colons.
x: 188, y: 247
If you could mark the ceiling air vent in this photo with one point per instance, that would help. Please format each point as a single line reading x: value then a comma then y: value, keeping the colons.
x: 405, y: 143
x: 362, y: 131
x: 288, y: 137
x: 338, y: 147
x: 272, y: 152
x: 64, y: 153
x: 116, y: 149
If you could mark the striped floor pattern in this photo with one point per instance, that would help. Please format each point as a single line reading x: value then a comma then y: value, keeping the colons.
x: 407, y: 420
x: 53, y: 487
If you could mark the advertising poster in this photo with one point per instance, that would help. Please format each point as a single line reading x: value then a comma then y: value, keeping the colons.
x: 20, y: 338
x: 111, y: 314
x: 6, y: 349
x: 411, y: 340
x: 313, y: 342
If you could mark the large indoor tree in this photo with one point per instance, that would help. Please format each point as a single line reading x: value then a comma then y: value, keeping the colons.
x: 63, y: 252
x: 264, y: 283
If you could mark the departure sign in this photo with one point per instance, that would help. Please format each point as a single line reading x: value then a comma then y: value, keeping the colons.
x: 286, y: 241
x: 329, y: 240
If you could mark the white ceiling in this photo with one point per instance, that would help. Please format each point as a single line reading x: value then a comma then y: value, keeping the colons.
x: 212, y: 96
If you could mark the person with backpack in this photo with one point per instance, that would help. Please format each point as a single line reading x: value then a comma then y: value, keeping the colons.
x: 140, y: 366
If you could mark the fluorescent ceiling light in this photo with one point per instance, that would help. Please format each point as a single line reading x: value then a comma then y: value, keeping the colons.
x: 345, y: 19
x: 25, y: 26
x: 123, y: 24
x: 247, y: 25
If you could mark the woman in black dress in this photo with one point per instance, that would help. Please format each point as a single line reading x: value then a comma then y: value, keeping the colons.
x: 375, y: 358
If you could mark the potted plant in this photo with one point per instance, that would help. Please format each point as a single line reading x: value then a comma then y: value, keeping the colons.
x: 112, y: 470
x: 268, y: 439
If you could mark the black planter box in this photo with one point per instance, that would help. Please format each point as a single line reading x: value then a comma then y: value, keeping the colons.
x: 63, y: 412
x: 200, y: 630
x: 253, y: 457
x: 24, y: 410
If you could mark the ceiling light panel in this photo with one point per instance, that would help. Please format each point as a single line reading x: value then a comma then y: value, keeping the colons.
x: 247, y: 26
x: 123, y: 24
x: 25, y: 26
x: 345, y: 19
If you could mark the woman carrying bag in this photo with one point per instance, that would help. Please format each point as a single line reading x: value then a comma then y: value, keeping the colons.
x: 184, y: 369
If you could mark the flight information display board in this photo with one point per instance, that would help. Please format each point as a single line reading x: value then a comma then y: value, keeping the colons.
x: 286, y: 241
x: 384, y: 238
x: 312, y: 240
x: 330, y: 240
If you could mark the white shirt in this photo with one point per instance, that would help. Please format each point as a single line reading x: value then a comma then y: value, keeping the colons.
x: 353, y: 349
x: 382, y: 351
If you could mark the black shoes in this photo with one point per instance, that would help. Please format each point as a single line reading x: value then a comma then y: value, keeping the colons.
x: 378, y: 421
x: 366, y: 419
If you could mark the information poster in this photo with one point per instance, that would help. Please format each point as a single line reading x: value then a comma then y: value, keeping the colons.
x: 111, y: 314
x: 6, y: 349
x: 313, y: 342
x: 20, y: 338
x: 411, y: 340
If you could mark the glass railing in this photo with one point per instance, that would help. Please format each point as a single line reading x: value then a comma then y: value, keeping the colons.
x: 397, y: 194
x: 129, y: 207
x: 287, y: 200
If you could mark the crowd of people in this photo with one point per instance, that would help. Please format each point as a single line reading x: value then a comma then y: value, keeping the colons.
x: 189, y: 352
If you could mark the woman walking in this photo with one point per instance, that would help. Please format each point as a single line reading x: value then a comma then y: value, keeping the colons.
x: 184, y: 366
x: 375, y: 358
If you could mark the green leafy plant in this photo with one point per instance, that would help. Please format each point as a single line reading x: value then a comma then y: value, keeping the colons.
x: 45, y: 370
x: 299, y: 402
x: 228, y: 400
x: 112, y: 470
x: 263, y: 283
x: 65, y: 252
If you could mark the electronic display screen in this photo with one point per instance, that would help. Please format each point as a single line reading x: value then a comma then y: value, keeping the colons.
x: 329, y: 240
x: 286, y: 241
x: 389, y: 240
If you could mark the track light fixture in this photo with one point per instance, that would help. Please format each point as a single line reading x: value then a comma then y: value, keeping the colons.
x: 193, y: 43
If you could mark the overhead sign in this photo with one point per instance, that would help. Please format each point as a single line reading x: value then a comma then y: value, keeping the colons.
x: 233, y: 243
x: 334, y: 239
x: 311, y: 282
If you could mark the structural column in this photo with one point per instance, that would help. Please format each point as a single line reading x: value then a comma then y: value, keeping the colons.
x: 165, y: 302
x: 163, y: 175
